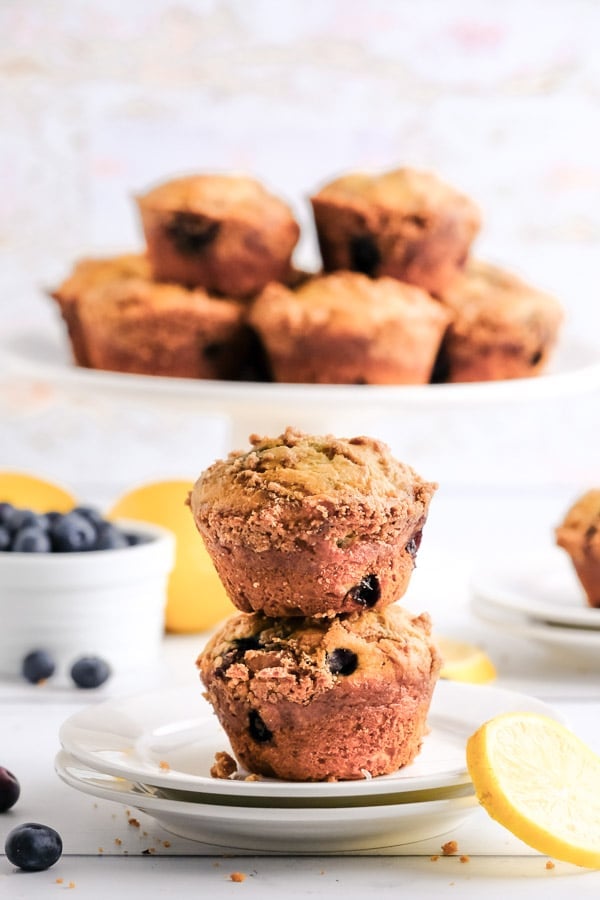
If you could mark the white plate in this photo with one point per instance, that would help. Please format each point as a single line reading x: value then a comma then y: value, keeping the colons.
x: 542, y: 587
x: 131, y: 737
x: 278, y: 830
x: 575, y: 367
x: 582, y: 643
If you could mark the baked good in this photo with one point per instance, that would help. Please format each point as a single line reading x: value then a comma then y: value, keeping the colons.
x: 406, y: 223
x: 151, y: 328
x: 312, y: 526
x: 225, y: 233
x: 323, y: 699
x: 501, y: 327
x: 579, y: 535
x: 88, y: 274
x: 346, y: 328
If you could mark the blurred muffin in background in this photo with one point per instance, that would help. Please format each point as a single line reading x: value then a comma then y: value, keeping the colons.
x: 405, y: 223
x: 225, y: 233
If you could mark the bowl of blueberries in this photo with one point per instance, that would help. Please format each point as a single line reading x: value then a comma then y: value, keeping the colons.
x: 78, y: 590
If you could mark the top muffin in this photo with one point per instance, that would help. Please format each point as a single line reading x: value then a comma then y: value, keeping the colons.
x: 313, y: 526
x: 225, y: 233
x: 405, y: 223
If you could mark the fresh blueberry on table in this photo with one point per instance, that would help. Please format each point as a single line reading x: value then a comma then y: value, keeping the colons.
x: 38, y: 666
x: 10, y: 789
x: 90, y: 671
x: 33, y: 847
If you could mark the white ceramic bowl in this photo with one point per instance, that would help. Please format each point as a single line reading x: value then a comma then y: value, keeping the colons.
x: 109, y: 603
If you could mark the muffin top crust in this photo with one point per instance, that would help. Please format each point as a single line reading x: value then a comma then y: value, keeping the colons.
x: 297, y: 659
x: 347, y: 300
x: 486, y: 295
x: 216, y: 196
x: 579, y: 533
x: 407, y: 190
x: 296, y: 466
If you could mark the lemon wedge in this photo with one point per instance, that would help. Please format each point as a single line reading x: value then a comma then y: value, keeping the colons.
x: 540, y: 781
x: 196, y: 599
x: 30, y: 492
x: 464, y: 662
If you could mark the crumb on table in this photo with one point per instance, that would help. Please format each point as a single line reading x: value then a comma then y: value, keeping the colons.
x: 237, y: 876
x: 449, y: 848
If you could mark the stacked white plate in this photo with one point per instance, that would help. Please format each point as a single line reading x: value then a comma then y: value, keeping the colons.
x: 154, y: 752
x: 537, y: 596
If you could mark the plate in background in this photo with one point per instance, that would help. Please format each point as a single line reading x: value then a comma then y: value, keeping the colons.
x: 543, y: 587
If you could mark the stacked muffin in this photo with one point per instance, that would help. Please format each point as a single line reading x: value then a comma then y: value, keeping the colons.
x: 322, y: 675
x: 399, y: 300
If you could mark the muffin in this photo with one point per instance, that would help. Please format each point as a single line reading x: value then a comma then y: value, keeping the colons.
x: 312, y: 526
x: 501, y: 326
x: 346, y: 328
x: 225, y: 233
x: 405, y: 223
x: 139, y: 326
x: 579, y: 535
x: 323, y: 699
x: 89, y: 274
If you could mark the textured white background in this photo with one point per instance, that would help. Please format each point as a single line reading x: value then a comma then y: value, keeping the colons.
x: 100, y: 99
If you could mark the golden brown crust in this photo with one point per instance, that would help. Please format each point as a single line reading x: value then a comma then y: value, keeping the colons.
x: 313, y: 699
x: 312, y: 525
x: 501, y: 326
x: 225, y: 233
x: 346, y: 328
x: 404, y: 223
x: 89, y: 274
x: 144, y: 327
x: 579, y: 535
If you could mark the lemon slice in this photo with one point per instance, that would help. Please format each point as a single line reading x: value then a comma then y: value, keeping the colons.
x: 464, y: 662
x: 30, y: 492
x: 196, y: 599
x: 540, y: 781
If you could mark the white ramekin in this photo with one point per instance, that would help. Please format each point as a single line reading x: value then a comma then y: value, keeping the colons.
x: 108, y: 603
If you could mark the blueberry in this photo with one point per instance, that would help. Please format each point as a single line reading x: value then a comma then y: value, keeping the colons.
x: 134, y: 539
x: 21, y: 518
x: 258, y: 729
x: 90, y: 671
x: 364, y: 254
x: 5, y: 539
x: 90, y: 513
x: 108, y: 537
x: 191, y: 233
x: 341, y: 661
x: 72, y: 533
x: 367, y: 592
x: 33, y: 847
x: 31, y: 539
x: 414, y: 543
x: 9, y: 789
x: 6, y: 511
x: 37, y: 666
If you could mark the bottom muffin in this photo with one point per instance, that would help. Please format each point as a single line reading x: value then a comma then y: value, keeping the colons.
x: 579, y: 535
x: 323, y: 699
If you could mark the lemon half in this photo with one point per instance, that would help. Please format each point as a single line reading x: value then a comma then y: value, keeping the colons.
x: 463, y: 661
x: 30, y: 492
x: 541, y: 782
x: 196, y: 599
